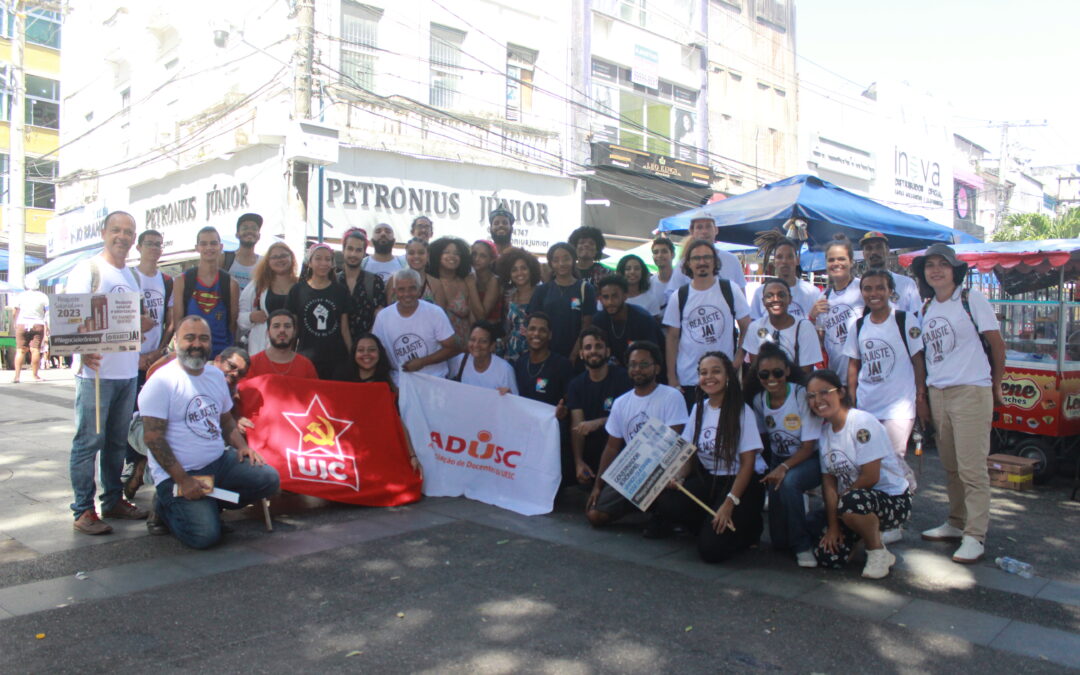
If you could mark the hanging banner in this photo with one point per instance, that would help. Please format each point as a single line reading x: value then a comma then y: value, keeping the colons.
x: 334, y: 440
x: 472, y: 441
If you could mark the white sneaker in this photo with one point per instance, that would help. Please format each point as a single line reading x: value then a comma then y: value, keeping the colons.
x: 971, y: 549
x: 878, y: 562
x: 806, y: 559
x: 892, y: 536
x: 944, y: 532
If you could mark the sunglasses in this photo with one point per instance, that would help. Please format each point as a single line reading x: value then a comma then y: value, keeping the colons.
x: 775, y: 373
x: 810, y: 396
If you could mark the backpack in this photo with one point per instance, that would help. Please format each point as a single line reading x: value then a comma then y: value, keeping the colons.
x: 966, y: 302
x: 225, y: 290
x: 725, y: 288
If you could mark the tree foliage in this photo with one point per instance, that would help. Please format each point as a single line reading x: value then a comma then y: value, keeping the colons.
x: 1036, y: 226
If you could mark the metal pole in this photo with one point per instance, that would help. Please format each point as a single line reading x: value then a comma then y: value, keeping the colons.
x: 1062, y: 310
x: 16, y: 210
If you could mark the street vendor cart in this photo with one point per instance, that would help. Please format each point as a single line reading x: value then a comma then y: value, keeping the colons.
x: 1033, y: 288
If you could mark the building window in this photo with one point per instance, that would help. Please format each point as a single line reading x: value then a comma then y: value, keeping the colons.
x: 42, y: 102
x: 661, y: 120
x: 773, y: 13
x: 359, y: 44
x: 42, y: 27
x: 520, y: 66
x: 446, y: 72
x: 40, y: 186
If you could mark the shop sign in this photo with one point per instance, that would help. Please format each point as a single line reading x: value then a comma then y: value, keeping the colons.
x: 647, y: 163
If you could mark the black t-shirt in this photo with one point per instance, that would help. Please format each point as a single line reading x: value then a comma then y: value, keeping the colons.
x: 275, y: 301
x: 566, y: 307
x: 362, y: 314
x: 595, y: 400
x: 546, y: 381
x: 319, y: 315
x: 639, y: 325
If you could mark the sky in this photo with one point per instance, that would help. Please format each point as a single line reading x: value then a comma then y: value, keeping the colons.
x: 993, y: 60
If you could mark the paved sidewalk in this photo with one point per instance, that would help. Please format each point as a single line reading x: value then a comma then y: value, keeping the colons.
x: 455, y: 585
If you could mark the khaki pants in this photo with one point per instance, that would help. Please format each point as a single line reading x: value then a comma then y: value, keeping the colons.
x: 963, y: 415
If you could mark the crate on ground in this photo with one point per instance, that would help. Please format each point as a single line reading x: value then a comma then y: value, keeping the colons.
x: 1011, y: 472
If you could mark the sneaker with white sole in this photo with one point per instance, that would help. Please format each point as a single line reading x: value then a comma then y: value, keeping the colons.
x: 892, y: 536
x: 878, y: 562
x: 945, y: 532
x: 970, y: 551
x: 806, y: 559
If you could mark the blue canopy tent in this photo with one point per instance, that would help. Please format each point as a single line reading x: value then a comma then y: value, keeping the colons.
x: 826, y: 208
x: 56, y: 270
x: 30, y: 261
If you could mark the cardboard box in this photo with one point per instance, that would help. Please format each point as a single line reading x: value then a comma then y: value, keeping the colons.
x: 1011, y: 472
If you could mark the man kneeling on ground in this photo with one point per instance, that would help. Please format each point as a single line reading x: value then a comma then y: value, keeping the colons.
x: 186, y: 421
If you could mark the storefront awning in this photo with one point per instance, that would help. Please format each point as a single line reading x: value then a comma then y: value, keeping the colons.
x: 29, y: 261
x: 56, y: 271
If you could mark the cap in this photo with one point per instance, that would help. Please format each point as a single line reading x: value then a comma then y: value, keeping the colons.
x: 253, y: 217
x: 873, y: 236
x: 501, y: 212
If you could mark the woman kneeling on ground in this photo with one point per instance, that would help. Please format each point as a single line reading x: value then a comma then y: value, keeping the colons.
x: 861, y: 480
x: 726, y: 471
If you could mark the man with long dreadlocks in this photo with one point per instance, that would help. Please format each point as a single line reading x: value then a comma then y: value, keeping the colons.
x: 783, y: 253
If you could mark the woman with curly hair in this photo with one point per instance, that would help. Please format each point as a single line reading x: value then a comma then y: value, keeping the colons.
x: 519, y: 272
x: 489, y: 305
x: 449, y: 262
x: 639, y: 280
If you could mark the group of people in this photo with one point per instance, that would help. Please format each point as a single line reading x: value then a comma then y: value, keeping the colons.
x: 784, y: 391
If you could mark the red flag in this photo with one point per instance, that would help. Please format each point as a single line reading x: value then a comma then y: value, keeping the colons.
x: 335, y: 440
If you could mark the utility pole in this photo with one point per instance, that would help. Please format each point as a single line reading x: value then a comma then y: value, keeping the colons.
x: 299, y: 172
x: 1003, y: 168
x: 16, y: 211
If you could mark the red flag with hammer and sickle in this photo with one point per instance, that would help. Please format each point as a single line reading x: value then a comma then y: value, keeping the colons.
x: 335, y: 440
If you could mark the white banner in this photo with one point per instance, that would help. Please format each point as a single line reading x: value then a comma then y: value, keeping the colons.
x: 472, y: 441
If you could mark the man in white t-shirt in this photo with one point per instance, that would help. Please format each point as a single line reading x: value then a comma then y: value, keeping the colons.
x: 728, y: 264
x: 31, y: 321
x: 382, y: 262
x: 416, y: 334
x: 628, y: 414
x: 706, y: 321
x: 118, y: 373
x: 875, y: 249
x: 187, y: 422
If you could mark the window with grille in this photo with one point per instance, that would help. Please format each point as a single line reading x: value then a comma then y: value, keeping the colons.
x: 42, y: 27
x: 40, y: 185
x: 359, y: 44
x: 446, y: 71
x: 42, y: 100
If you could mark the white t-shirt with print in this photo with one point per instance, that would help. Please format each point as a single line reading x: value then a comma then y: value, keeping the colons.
x: 383, y: 269
x: 886, y: 376
x: 117, y: 365
x: 415, y: 336
x: 906, y: 295
x: 861, y: 441
x: 801, y: 333
x: 788, y: 426
x: 954, y: 354
x: 192, y: 405
x: 630, y: 412
x: 499, y: 373
x: 749, y: 441
x: 156, y: 304
x: 803, y: 297
x: 33, y: 307
x: 845, y: 307
x: 705, y: 326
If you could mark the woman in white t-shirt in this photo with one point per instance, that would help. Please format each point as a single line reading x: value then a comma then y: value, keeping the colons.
x: 727, y: 469
x: 790, y: 434
x: 965, y: 359
x: 640, y: 282
x: 862, y: 483
x: 886, y: 373
x: 841, y: 304
x: 480, y: 367
x: 798, y: 337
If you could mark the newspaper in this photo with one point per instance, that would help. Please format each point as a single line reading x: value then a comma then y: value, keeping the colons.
x: 645, y: 466
x: 94, y: 323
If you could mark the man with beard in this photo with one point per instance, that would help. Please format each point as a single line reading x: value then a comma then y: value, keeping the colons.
x: 730, y: 267
x: 422, y: 229
x: 382, y: 262
x: 501, y: 228
x: 368, y: 291
x: 875, y: 249
x: 589, y: 399
x: 589, y: 243
x: 280, y: 358
x: 625, y: 323
x: 629, y: 413
x: 544, y: 375
x: 186, y: 425
x: 241, y: 263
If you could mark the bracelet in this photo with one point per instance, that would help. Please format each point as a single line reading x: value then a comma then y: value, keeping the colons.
x: 734, y: 500
x: 785, y: 465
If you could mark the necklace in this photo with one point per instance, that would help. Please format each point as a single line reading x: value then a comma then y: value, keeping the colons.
x: 529, y: 368
x: 618, y: 336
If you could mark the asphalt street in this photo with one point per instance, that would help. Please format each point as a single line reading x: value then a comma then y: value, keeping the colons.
x: 453, y: 585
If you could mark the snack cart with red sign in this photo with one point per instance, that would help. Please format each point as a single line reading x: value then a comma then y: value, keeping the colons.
x: 1033, y: 288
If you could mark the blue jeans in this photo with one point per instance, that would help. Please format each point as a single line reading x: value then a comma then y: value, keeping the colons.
x: 196, y: 523
x: 788, y: 525
x: 117, y: 404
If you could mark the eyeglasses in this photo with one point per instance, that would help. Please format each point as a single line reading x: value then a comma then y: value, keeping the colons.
x: 636, y: 365
x: 701, y: 258
x: 810, y: 396
x: 280, y: 256
x: 775, y: 373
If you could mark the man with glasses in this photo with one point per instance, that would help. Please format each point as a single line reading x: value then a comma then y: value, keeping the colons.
x: 629, y: 413
x: 241, y: 263
x: 368, y: 291
x: 209, y: 291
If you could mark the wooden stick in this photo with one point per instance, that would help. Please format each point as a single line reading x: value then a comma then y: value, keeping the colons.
x: 266, y: 515
x: 97, y: 402
x: 731, y: 526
